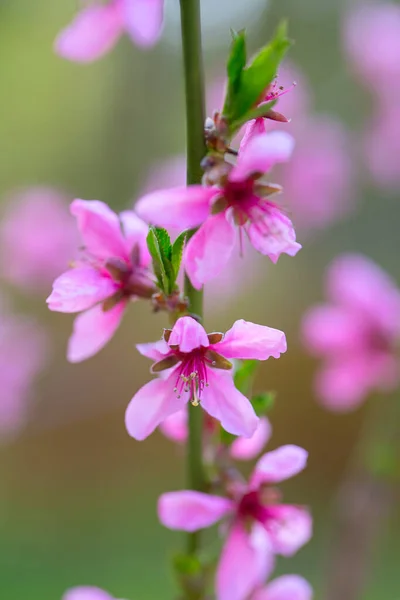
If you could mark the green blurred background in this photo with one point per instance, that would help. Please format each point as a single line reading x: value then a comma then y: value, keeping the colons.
x: 77, y: 495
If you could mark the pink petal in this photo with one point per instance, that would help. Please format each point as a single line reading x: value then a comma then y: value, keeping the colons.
x: 136, y: 231
x: 357, y: 282
x: 261, y: 153
x: 190, y: 511
x: 291, y: 529
x: 343, y: 385
x: 144, y: 20
x: 92, y: 33
x: 287, y: 587
x: 245, y: 562
x: 278, y: 465
x: 100, y: 229
x: 226, y: 404
x: 92, y: 330
x: 252, y: 129
x: 79, y: 289
x: 86, y: 593
x: 154, y: 350
x: 272, y: 234
x: 208, y: 251
x: 249, y: 340
x: 175, y: 427
x: 183, y: 207
x: 332, y: 330
x: 188, y: 334
x: 249, y: 448
x: 153, y: 403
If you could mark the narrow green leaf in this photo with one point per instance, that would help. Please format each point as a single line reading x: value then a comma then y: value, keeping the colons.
x: 176, y: 254
x: 158, y: 263
x: 254, y: 113
x: 164, y: 242
x: 262, y: 403
x: 244, y: 375
x: 235, y: 65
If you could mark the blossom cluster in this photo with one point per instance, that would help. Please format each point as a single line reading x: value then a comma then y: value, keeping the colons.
x: 194, y: 231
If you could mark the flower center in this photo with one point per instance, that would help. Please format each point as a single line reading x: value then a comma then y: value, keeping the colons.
x: 256, y: 505
x: 192, y: 374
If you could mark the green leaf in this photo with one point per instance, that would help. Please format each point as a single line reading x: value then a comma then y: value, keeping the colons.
x: 262, y: 403
x: 246, y: 85
x: 164, y: 242
x: 158, y: 263
x: 244, y: 375
x: 177, y: 250
x: 254, y: 113
x: 187, y: 564
x: 226, y: 438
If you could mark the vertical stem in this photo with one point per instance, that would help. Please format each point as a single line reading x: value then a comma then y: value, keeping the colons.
x: 195, y: 115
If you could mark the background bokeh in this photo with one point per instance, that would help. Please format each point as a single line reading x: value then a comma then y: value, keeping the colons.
x: 77, y: 495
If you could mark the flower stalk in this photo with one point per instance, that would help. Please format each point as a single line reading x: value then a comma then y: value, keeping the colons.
x: 196, y: 149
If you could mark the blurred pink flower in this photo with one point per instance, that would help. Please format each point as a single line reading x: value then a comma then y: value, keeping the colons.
x: 37, y: 237
x: 97, y: 28
x: 317, y: 181
x: 382, y: 145
x: 356, y: 333
x: 23, y: 353
x: 287, y: 587
x: 175, y: 428
x: 195, y: 366
x: 259, y: 527
x: 112, y: 270
x: 372, y: 42
x: 87, y: 593
x: 217, y: 211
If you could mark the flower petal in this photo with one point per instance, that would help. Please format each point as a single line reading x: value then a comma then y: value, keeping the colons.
x: 153, y: 403
x: 92, y: 330
x: 249, y: 340
x: 249, y: 448
x: 189, y: 511
x: 136, y: 231
x: 175, y: 427
x: 261, y: 153
x: 143, y: 20
x: 344, y: 384
x: 92, y: 33
x: 252, y: 129
x: 292, y: 528
x: 208, y: 251
x: 358, y: 283
x: 245, y: 562
x: 278, y: 465
x: 154, y: 350
x: 183, y: 207
x: 100, y: 229
x: 330, y: 330
x: 287, y: 587
x: 188, y: 334
x: 226, y: 404
x: 271, y: 233
x: 86, y: 593
x: 79, y: 289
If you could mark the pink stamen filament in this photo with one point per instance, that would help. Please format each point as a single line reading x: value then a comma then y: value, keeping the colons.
x: 192, y: 376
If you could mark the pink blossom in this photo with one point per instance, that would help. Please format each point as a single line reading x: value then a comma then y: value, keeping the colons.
x: 382, y: 145
x: 196, y: 367
x: 317, y: 181
x: 112, y: 270
x: 372, y: 42
x: 37, y: 237
x: 97, y: 27
x: 218, y: 209
x: 23, y: 352
x: 175, y: 428
x: 287, y: 587
x: 258, y: 525
x: 356, y: 333
x: 87, y: 593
